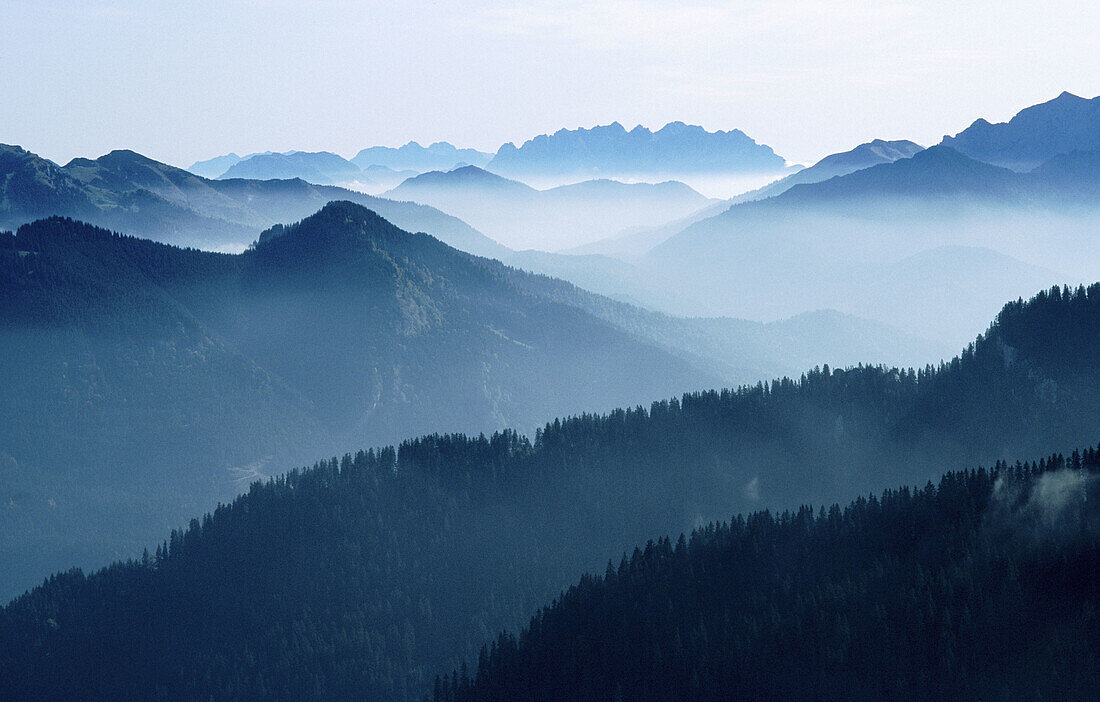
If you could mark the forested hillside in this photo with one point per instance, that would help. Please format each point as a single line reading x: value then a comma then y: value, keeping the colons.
x: 365, y: 576
x: 146, y: 382
x: 984, y: 586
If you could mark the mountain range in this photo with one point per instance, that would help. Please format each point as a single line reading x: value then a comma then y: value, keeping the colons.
x: 369, y: 575
x: 128, y: 192
x: 381, y: 161
x: 577, y: 154
x: 149, y: 386
x: 320, y: 168
x: 214, y: 167
x: 149, y: 381
x: 853, y: 230
x: 1033, y: 136
x: 611, y: 150
x: 1059, y: 130
x: 414, y: 157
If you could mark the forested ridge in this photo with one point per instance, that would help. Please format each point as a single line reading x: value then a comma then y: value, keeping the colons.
x: 367, y: 575
x: 982, y: 586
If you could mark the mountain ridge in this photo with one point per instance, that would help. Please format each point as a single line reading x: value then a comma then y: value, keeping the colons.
x: 1034, y: 134
x: 131, y: 193
x: 848, y: 226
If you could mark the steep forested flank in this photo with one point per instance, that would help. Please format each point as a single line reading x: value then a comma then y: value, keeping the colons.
x: 982, y: 587
x: 366, y: 576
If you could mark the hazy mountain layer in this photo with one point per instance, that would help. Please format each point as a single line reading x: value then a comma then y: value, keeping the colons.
x: 366, y: 576
x: 321, y: 168
x: 522, y: 217
x: 742, y: 351
x: 636, y: 241
x: 414, y: 157
x: 863, y: 156
x: 840, y: 243
x: 214, y: 167
x: 633, y: 242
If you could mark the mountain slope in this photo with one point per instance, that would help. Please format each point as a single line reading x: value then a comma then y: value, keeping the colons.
x: 214, y: 167
x: 979, y: 587
x: 742, y: 351
x: 142, y: 374
x: 636, y: 241
x: 938, y: 171
x: 33, y: 187
x: 364, y: 577
x: 522, y: 217
x: 1036, y: 134
x: 119, y: 402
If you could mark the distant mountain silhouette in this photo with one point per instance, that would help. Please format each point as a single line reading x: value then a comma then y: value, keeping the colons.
x: 321, y: 168
x: 214, y: 167
x: 385, y: 177
x: 136, y: 195
x: 635, y: 241
x: 611, y: 150
x: 522, y: 217
x: 462, y: 178
x: 933, y: 172
x: 863, y: 156
x: 1036, y: 134
x: 413, y: 156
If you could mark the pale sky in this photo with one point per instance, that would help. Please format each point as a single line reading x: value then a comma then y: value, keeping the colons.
x: 180, y: 81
